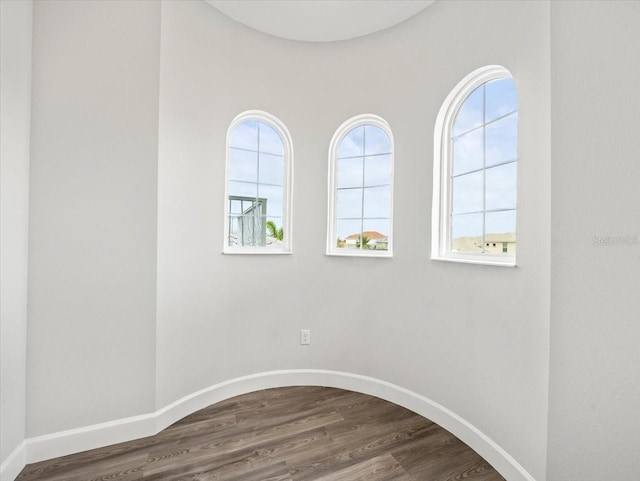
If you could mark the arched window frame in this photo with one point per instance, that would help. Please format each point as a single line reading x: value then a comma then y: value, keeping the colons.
x: 442, y: 167
x: 281, y: 129
x: 340, y: 134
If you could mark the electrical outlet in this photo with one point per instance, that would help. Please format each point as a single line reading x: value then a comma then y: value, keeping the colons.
x: 305, y: 336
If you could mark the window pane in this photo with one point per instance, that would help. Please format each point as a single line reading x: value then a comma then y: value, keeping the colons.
x: 467, y: 193
x: 243, y: 189
x: 501, y: 222
x: 243, y: 165
x: 377, y: 201
x: 253, y: 231
x: 502, y: 140
x: 233, y: 230
x: 347, y: 232
x: 466, y: 233
x: 270, y: 140
x: 360, y: 184
x: 349, y: 203
x: 500, y: 229
x: 500, y: 98
x: 275, y: 231
x: 273, y: 196
x: 246, y: 230
x: 470, y: 114
x: 235, y: 206
x: 349, y: 172
x: 256, y: 176
x: 352, y: 144
x: 245, y: 135
x: 481, y: 166
x: 468, y: 152
x: 501, y: 187
x: 377, y: 170
x: 271, y: 169
x: 376, y: 141
x: 276, y: 220
x: 377, y: 231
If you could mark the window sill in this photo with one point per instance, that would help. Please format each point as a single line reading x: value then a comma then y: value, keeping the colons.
x: 488, y: 261
x: 370, y: 254
x: 256, y: 251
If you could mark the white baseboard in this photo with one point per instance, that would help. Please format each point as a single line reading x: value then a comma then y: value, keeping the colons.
x: 75, y: 440
x: 11, y: 467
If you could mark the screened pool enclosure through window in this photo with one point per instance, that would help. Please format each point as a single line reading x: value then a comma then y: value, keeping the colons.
x: 258, y: 180
x: 247, y: 224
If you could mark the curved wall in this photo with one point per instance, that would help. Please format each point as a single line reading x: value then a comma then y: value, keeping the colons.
x: 92, y: 213
x: 133, y: 306
x: 471, y: 338
x: 15, y: 111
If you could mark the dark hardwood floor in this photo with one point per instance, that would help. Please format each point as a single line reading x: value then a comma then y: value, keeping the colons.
x: 284, y: 434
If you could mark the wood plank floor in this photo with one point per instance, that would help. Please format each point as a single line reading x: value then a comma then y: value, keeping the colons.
x: 283, y: 434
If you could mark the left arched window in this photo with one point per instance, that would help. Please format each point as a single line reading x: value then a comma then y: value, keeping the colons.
x: 259, y: 184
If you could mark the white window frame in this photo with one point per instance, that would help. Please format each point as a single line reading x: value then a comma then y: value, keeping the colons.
x: 343, y: 130
x: 442, y: 164
x: 280, y: 127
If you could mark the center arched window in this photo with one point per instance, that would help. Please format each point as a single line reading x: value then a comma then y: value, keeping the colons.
x: 361, y: 188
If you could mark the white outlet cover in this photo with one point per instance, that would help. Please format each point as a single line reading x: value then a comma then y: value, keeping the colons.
x: 305, y: 336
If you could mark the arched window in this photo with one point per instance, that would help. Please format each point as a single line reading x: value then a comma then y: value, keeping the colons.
x: 475, y: 170
x: 258, y: 187
x: 361, y: 188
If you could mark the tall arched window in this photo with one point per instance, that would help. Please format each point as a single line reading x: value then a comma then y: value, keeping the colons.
x: 361, y: 188
x: 475, y: 170
x: 258, y: 187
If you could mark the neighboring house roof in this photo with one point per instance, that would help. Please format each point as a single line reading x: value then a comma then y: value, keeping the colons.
x: 466, y: 244
x: 369, y: 234
x: 470, y: 243
x: 504, y: 237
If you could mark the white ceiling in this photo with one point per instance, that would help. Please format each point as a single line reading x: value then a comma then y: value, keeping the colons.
x: 320, y: 20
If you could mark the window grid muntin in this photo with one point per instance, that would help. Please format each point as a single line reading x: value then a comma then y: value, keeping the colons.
x: 484, y: 169
x: 442, y: 165
x: 362, y: 186
x: 352, y: 124
x: 492, y: 121
x: 285, y: 198
x: 506, y: 162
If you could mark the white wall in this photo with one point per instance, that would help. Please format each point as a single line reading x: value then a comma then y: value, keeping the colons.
x: 594, y: 414
x: 15, y: 113
x: 103, y: 180
x: 442, y: 330
x: 92, y: 272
